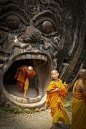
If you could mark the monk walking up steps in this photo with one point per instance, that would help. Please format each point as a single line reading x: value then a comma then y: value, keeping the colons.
x: 56, y: 92
x: 22, y: 75
x: 79, y: 102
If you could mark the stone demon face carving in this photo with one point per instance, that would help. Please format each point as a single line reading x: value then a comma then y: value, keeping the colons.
x: 29, y: 35
x: 37, y: 33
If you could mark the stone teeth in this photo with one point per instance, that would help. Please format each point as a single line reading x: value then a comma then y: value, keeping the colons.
x: 43, y: 57
x: 21, y: 57
x: 28, y: 56
x: 32, y: 56
x: 39, y: 57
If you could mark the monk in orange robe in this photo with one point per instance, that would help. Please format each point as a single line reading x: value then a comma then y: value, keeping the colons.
x: 56, y: 92
x: 79, y: 102
x: 22, y: 75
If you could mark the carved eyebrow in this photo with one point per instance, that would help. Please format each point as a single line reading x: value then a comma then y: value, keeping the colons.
x: 14, y: 9
x: 44, y: 14
x: 15, y: 13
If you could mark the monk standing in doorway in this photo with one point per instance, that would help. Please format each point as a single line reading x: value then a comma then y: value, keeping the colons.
x: 22, y: 74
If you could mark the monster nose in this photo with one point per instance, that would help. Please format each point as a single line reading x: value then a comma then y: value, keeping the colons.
x: 33, y: 33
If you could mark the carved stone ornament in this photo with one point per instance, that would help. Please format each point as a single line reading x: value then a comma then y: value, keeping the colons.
x: 32, y: 6
x: 47, y: 34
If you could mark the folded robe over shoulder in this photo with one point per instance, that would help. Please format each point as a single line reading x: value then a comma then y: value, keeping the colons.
x: 22, y: 75
x: 56, y: 101
x: 78, y: 109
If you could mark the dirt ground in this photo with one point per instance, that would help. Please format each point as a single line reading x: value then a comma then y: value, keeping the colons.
x: 38, y: 120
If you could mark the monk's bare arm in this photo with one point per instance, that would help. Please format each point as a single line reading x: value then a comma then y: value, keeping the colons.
x: 57, y: 89
x: 83, y: 90
x: 20, y: 68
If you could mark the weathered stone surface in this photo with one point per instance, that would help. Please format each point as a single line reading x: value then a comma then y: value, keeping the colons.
x: 47, y: 34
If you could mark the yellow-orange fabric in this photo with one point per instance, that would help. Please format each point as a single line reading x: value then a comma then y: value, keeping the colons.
x: 22, y: 76
x: 78, y: 109
x: 56, y: 101
x: 26, y: 84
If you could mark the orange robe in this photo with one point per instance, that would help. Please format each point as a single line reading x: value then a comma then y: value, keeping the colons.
x: 78, y: 110
x: 56, y: 101
x: 22, y: 75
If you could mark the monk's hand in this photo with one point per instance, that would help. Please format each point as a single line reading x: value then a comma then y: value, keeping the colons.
x: 58, y: 89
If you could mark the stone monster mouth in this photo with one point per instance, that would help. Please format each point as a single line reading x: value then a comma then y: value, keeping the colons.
x: 36, y: 93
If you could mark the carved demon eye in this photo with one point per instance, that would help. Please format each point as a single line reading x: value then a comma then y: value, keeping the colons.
x: 47, y: 27
x: 12, y: 22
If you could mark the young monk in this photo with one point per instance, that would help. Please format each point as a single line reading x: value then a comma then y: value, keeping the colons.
x: 56, y: 92
x: 22, y: 75
x: 79, y: 102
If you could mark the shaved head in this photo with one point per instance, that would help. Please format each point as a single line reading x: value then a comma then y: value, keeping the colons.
x: 82, y: 72
x: 53, y: 71
x: 30, y: 68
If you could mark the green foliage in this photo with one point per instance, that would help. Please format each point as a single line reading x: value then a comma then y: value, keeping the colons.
x: 3, y: 114
x: 32, y: 111
x: 69, y: 96
x: 69, y: 109
x: 69, y: 100
x: 15, y: 110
